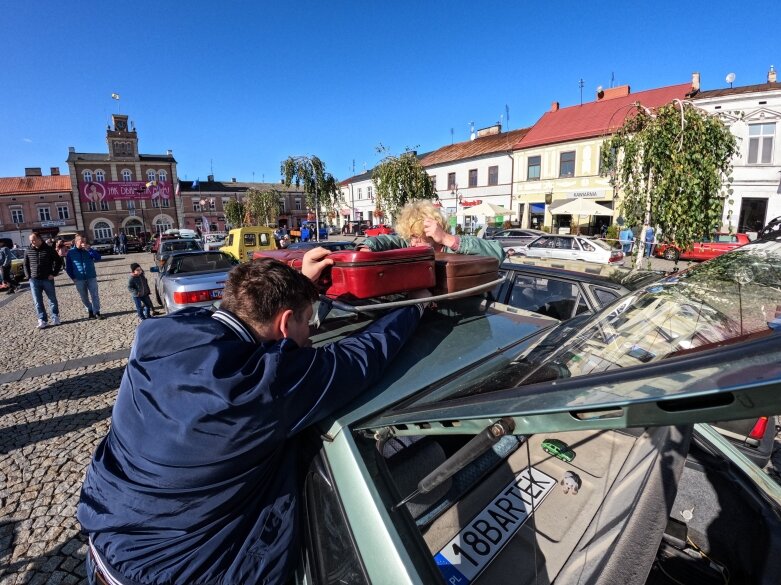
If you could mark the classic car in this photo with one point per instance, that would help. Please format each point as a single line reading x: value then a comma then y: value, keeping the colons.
x: 439, y: 473
x: 103, y: 245
x: 567, y: 247
x: 707, y: 248
x: 514, y: 238
x: 378, y: 230
x: 168, y: 247
x: 191, y: 279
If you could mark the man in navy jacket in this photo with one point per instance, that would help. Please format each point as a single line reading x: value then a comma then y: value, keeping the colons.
x: 196, y: 482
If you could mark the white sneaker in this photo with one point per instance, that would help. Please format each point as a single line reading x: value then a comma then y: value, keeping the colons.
x: 55, y: 320
x: 41, y: 324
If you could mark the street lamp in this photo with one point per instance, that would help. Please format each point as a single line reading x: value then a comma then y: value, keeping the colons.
x: 19, y: 229
x: 459, y: 197
x: 204, y: 201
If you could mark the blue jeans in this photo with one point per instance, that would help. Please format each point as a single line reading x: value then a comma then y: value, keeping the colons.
x: 648, y: 249
x: 143, y: 306
x: 88, y: 288
x: 38, y: 287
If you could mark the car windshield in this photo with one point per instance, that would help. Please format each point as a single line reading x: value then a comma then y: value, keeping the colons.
x: 200, y: 263
x: 179, y: 245
x: 732, y: 298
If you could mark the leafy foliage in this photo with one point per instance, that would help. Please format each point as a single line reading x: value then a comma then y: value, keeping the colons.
x: 262, y: 206
x: 234, y: 213
x: 399, y: 180
x: 319, y: 186
x: 671, y: 165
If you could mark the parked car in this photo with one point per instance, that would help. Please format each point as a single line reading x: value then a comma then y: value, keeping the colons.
x: 191, y: 279
x: 707, y: 248
x: 564, y: 289
x: 214, y: 241
x: 333, y: 230
x: 242, y: 242
x: 440, y: 474
x: 512, y: 239
x: 570, y: 247
x: 134, y: 244
x: 103, y: 246
x: 17, y: 264
x: 378, y: 230
x: 168, y: 247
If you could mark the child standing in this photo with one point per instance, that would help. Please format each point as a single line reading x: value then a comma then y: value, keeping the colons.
x: 139, y: 288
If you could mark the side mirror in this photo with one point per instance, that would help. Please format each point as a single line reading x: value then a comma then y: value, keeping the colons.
x: 154, y: 269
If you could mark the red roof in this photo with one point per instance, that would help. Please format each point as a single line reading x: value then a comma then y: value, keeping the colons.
x: 596, y: 118
x: 502, y: 142
x: 24, y: 185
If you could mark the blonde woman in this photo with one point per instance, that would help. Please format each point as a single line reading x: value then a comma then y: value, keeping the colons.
x: 422, y: 224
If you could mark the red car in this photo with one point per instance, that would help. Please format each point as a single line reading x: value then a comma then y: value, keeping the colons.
x: 378, y: 230
x: 705, y: 249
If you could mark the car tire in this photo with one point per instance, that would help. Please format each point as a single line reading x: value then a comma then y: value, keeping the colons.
x: 671, y: 254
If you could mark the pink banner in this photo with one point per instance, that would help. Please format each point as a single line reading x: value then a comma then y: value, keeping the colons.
x: 113, y: 191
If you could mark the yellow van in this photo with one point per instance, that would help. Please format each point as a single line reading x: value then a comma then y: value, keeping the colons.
x: 242, y: 242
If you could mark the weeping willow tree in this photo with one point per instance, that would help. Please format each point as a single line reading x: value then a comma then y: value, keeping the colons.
x: 262, y: 207
x: 399, y: 180
x: 674, y: 168
x: 319, y: 186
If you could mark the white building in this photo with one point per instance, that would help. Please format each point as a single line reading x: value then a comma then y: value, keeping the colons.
x: 753, y: 114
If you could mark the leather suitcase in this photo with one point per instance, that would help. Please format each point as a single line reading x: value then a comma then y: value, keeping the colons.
x: 364, y: 275
x: 292, y: 258
x: 457, y: 272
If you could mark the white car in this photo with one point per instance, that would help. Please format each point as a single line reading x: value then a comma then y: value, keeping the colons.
x: 564, y: 247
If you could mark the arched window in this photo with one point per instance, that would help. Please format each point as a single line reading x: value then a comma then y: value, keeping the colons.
x: 87, y: 176
x: 162, y: 175
x: 127, y: 176
x: 102, y: 230
x: 99, y: 176
x: 162, y: 224
x: 133, y: 227
x: 150, y: 175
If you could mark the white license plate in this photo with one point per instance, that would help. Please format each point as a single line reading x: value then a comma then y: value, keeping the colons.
x: 477, y: 544
x: 217, y: 294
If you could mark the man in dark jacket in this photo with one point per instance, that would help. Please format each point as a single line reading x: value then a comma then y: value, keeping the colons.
x: 41, y: 265
x: 196, y: 481
x: 80, y: 266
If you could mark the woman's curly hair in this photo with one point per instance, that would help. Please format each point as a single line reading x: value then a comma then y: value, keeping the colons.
x: 410, y: 222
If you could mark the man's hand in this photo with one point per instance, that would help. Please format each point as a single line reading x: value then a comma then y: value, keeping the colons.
x: 315, y: 261
x: 433, y: 230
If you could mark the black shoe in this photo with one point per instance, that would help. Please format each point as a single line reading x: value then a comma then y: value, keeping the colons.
x: 98, y: 316
x: 90, y: 315
x: 10, y: 291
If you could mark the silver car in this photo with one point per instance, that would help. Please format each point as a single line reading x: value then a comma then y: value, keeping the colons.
x: 191, y: 279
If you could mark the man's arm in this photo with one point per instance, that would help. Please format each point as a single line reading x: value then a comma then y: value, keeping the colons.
x: 69, y: 268
x: 480, y: 247
x: 384, y: 242
x: 27, y: 265
x: 57, y: 264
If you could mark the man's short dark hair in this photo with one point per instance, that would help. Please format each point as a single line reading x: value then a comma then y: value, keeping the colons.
x: 258, y: 290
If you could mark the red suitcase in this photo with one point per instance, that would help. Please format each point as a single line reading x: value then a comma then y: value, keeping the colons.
x: 365, y: 275
x: 457, y: 272
x: 292, y: 258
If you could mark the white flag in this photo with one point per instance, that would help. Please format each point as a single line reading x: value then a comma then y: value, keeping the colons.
x: 205, y: 228
x: 114, y: 96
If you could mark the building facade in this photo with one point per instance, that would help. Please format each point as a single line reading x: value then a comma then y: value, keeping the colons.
x: 559, y: 158
x: 123, y: 190
x: 358, y: 201
x: 753, y: 114
x: 43, y: 204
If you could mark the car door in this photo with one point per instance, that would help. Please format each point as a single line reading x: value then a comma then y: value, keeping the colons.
x: 564, y: 248
x: 542, y: 247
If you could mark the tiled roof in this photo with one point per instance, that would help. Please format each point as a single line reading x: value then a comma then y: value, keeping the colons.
x: 595, y: 118
x: 103, y: 157
x: 761, y: 87
x: 186, y: 186
x: 366, y: 175
x: 24, y: 185
x: 492, y: 143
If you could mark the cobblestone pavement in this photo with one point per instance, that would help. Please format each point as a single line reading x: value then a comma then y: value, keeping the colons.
x: 57, y: 389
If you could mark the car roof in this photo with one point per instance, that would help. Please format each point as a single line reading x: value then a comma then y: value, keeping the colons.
x: 584, y: 271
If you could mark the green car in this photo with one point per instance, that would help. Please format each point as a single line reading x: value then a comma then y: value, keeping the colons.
x: 441, y: 473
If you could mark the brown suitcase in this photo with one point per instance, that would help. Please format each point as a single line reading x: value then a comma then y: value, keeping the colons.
x: 457, y: 272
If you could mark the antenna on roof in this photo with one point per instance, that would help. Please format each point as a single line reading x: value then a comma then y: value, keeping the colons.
x: 472, y: 131
x: 451, y: 137
x: 581, y: 83
x: 730, y: 78
x: 507, y: 111
x: 612, y: 78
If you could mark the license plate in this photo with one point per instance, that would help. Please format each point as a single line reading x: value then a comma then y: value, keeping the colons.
x: 482, y: 539
x: 217, y: 294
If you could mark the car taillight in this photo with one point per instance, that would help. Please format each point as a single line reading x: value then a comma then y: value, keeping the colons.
x: 616, y: 256
x: 196, y: 296
x: 759, y: 428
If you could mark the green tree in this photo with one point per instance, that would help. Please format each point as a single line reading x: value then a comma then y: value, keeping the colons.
x: 234, y: 213
x: 399, y: 180
x: 671, y: 165
x: 320, y: 187
x: 263, y: 206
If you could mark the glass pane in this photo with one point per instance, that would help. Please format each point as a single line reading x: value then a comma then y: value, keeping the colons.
x: 769, y: 129
x: 753, y: 148
x: 767, y: 150
x: 249, y: 239
x: 755, y: 129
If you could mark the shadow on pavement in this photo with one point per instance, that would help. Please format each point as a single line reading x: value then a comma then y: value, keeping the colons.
x: 67, y: 557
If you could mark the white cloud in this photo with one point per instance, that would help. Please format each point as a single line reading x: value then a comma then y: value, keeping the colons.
x: 29, y: 140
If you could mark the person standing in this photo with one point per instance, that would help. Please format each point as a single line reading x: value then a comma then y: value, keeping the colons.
x: 139, y: 287
x: 116, y: 244
x: 41, y: 265
x: 198, y: 479
x: 649, y: 241
x: 5, y: 266
x: 80, y: 267
x: 626, y: 237
x: 122, y: 243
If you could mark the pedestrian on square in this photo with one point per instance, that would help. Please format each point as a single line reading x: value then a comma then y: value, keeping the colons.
x: 198, y: 479
x: 122, y: 243
x: 5, y: 268
x: 80, y: 267
x: 139, y: 288
x: 625, y: 237
x: 649, y: 241
x: 116, y: 244
x: 304, y: 233
x: 61, y: 248
x: 41, y: 265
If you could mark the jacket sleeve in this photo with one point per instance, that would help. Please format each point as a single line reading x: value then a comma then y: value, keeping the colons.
x: 132, y: 286
x: 480, y: 247
x: 56, y: 263
x: 27, y: 265
x: 69, y: 269
x: 384, y: 242
x: 337, y: 373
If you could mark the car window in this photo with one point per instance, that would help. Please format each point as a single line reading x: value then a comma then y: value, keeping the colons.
x: 564, y: 243
x: 249, y: 240
x: 547, y: 296
x: 230, y: 240
x: 264, y: 239
x: 543, y: 242
x: 604, y: 296
x: 586, y: 245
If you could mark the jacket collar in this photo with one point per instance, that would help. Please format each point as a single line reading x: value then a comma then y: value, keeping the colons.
x: 234, y: 324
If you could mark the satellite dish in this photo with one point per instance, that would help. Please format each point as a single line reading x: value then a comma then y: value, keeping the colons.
x: 599, y: 89
x: 730, y: 78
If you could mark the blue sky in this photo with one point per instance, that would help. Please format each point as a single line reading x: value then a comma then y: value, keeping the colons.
x: 242, y: 85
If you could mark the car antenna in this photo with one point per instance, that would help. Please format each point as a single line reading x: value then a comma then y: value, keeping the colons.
x: 476, y: 446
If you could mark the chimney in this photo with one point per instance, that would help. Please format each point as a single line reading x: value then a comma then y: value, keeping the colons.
x: 615, y: 92
x: 170, y: 152
x: 210, y: 178
x: 55, y: 171
x: 495, y: 129
x: 233, y: 179
x: 695, y: 82
x: 554, y: 107
x: 771, y: 75
x: 33, y: 172
x: 71, y: 149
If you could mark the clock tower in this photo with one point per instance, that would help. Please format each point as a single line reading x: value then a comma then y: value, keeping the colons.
x: 122, y: 141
